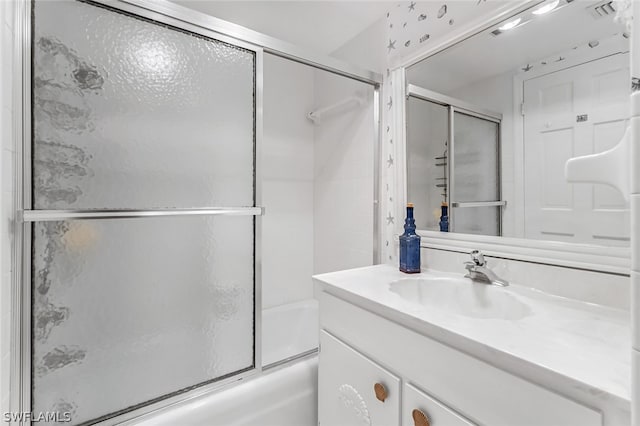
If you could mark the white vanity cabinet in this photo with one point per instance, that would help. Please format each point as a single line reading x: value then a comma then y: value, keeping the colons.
x: 359, y: 348
x: 355, y: 390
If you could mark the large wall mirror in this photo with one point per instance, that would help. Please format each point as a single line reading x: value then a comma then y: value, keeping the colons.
x: 492, y: 120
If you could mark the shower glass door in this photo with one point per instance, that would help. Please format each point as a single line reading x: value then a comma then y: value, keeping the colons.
x: 453, y: 159
x: 475, y: 174
x: 141, y: 200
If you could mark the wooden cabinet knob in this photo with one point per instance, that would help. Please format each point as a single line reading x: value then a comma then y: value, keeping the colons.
x: 381, y: 392
x: 419, y: 418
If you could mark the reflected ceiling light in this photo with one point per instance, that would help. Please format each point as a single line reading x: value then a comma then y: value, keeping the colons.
x: 510, y: 24
x: 546, y: 8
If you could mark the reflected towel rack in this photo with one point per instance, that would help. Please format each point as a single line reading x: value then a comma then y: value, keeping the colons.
x: 343, y: 105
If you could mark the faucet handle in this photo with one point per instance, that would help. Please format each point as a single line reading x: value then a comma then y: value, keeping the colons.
x: 478, y: 258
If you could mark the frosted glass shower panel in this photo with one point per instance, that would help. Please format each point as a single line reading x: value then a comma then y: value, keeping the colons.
x: 129, y: 310
x: 483, y: 220
x: 475, y: 159
x: 132, y: 114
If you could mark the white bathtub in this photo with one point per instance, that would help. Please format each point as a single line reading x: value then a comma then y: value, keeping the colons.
x: 289, y: 330
x: 285, y: 395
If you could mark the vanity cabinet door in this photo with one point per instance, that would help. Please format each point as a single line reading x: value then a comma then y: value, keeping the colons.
x: 419, y: 409
x: 353, y: 390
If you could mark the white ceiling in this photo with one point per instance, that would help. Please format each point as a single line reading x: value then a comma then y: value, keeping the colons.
x: 485, y: 55
x: 321, y: 25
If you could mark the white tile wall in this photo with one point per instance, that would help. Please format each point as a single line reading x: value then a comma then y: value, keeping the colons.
x: 344, y: 177
x: 287, y: 191
x: 7, y: 154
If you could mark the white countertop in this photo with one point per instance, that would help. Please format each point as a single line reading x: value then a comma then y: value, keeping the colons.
x: 580, y: 345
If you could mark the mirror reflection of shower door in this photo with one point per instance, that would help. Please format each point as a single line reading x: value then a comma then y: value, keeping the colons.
x: 143, y: 210
x: 475, y: 174
x: 453, y: 156
x: 427, y: 165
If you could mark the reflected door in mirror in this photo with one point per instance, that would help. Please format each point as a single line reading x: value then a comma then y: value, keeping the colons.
x: 577, y: 111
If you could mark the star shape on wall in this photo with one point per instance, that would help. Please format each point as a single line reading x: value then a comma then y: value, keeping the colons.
x: 412, y: 6
x: 390, y: 103
x: 442, y: 11
x: 390, y: 219
x: 390, y: 161
x: 392, y: 45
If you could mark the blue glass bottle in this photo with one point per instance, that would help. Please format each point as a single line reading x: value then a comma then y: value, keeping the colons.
x: 444, y: 217
x: 410, y: 245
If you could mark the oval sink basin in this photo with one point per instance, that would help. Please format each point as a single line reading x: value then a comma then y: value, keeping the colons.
x: 462, y: 297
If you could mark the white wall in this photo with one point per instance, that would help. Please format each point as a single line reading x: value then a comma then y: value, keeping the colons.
x: 7, y: 155
x: 367, y: 49
x: 288, y: 173
x: 344, y: 177
x: 318, y: 180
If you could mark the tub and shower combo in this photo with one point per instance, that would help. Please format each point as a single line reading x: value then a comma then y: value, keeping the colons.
x: 284, y: 395
x: 175, y: 198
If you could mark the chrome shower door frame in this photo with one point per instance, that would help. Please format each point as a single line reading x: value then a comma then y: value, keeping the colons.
x: 487, y: 116
x: 191, y: 21
x: 454, y: 106
x: 22, y: 327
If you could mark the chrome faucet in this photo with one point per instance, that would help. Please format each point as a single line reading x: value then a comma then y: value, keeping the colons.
x: 479, y: 272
